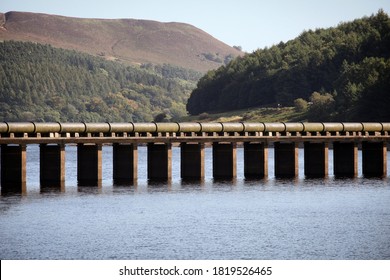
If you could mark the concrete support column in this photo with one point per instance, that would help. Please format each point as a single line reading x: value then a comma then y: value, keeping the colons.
x: 159, y: 161
x: 255, y: 160
x: 374, y: 159
x: 316, y: 159
x: 192, y: 161
x: 224, y: 160
x: 89, y: 164
x: 52, y: 165
x: 345, y: 159
x: 13, y: 168
x: 125, y: 163
x: 286, y: 160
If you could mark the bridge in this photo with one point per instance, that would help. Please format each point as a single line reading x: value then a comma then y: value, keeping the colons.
x: 256, y: 138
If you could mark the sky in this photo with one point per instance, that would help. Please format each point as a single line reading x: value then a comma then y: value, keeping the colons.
x: 251, y: 24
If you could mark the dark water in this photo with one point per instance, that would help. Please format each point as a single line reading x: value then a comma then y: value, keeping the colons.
x: 268, y: 219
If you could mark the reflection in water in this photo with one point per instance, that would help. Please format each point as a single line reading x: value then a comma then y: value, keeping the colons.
x: 9, y: 201
x: 159, y: 185
x: 14, y: 189
x: 53, y: 188
x: 193, y: 183
x: 91, y: 189
x: 124, y: 189
x: 125, y: 182
x: 231, y: 182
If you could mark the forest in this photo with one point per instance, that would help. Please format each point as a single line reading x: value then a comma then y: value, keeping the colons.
x: 335, y: 74
x: 42, y: 83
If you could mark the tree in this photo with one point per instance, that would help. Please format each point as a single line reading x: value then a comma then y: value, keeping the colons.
x: 160, y: 117
x: 321, y: 106
x: 300, y: 105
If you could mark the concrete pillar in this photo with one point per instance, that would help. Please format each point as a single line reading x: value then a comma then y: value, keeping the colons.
x: 159, y: 161
x: 286, y: 160
x: 125, y: 163
x: 374, y: 159
x: 255, y: 160
x: 224, y: 160
x: 89, y: 164
x: 316, y: 159
x: 52, y: 165
x: 192, y: 161
x: 345, y: 159
x: 13, y: 169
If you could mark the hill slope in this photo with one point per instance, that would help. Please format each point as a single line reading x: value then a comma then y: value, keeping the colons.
x: 127, y: 40
x: 42, y: 83
x: 344, y: 71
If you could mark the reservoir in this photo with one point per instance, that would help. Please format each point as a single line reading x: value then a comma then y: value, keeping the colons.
x: 261, y: 219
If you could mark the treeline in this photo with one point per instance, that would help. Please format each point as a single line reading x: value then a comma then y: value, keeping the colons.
x: 42, y: 83
x: 342, y: 73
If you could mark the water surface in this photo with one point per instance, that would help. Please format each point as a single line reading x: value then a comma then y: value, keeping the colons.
x: 265, y: 219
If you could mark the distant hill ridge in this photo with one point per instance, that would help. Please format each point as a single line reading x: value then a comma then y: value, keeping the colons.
x: 127, y: 40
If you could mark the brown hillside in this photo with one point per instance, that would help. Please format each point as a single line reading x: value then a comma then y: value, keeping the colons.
x: 128, y: 40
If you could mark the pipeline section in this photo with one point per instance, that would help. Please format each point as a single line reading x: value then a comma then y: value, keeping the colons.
x: 188, y: 127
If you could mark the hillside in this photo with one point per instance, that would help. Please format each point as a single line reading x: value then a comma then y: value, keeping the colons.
x: 127, y: 40
x: 42, y: 83
x: 340, y: 73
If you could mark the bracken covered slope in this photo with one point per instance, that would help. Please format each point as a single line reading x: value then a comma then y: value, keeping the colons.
x: 127, y: 40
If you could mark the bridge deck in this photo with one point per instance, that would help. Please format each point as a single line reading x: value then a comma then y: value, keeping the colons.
x: 373, y: 138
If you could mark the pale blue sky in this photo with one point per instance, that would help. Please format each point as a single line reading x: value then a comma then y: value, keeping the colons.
x: 248, y: 23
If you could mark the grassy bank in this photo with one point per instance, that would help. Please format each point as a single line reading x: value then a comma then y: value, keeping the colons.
x: 284, y: 114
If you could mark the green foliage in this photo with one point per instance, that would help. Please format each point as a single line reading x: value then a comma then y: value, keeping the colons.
x: 364, y: 90
x: 321, y: 105
x: 173, y: 72
x: 42, y: 83
x: 351, y: 61
x: 300, y: 105
x: 212, y: 57
x: 216, y: 57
